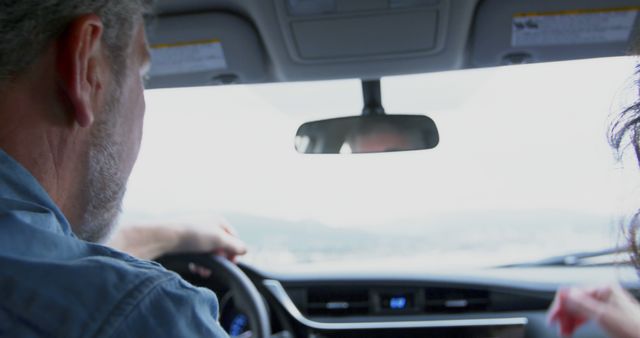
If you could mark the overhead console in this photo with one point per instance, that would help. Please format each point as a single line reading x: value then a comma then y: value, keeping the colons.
x: 339, y: 30
x: 370, y: 38
x: 527, y: 31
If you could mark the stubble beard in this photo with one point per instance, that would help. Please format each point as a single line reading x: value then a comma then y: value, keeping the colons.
x: 105, y: 183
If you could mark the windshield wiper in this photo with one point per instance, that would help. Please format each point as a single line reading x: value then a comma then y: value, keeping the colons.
x: 574, y: 259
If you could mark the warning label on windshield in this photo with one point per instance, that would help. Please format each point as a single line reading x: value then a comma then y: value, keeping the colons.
x: 573, y: 27
x: 187, y: 57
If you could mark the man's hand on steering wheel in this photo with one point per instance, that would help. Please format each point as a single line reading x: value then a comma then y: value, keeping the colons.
x: 153, y: 241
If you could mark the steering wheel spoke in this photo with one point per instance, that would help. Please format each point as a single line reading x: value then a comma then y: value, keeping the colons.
x: 245, y: 295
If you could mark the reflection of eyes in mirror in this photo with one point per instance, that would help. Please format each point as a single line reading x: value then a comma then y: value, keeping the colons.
x: 382, y: 138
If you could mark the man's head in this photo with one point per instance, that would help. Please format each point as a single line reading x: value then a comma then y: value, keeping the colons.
x: 71, y: 100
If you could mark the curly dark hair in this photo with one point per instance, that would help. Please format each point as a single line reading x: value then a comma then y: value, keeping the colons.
x: 624, y: 132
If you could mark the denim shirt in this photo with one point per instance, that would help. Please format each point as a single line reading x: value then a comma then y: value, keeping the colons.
x: 53, y: 284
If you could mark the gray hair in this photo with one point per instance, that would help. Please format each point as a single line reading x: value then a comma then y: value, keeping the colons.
x: 27, y: 27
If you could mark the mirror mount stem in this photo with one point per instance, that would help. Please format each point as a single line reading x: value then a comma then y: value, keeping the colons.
x: 372, y: 98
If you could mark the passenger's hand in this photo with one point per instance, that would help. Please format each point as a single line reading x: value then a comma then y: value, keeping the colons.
x: 150, y: 242
x: 611, y: 307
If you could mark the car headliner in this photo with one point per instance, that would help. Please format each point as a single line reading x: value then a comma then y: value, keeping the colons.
x: 293, y: 40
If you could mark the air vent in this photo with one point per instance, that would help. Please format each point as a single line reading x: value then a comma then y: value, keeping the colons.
x: 455, y: 300
x: 337, y: 301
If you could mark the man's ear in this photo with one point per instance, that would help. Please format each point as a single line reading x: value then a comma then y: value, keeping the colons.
x: 79, y: 67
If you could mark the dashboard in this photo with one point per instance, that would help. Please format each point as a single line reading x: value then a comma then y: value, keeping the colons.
x: 499, y: 302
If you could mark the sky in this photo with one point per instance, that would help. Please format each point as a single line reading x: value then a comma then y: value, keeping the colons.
x: 527, y: 137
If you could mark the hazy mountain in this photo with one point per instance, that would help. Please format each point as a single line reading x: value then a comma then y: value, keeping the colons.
x: 540, y: 231
x: 521, y: 234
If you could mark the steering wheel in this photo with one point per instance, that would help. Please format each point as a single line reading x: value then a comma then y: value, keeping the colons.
x: 245, y: 295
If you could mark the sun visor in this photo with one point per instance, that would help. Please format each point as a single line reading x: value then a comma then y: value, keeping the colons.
x: 528, y: 31
x: 204, y: 49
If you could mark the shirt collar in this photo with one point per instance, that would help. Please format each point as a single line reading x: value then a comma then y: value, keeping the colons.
x: 17, y: 183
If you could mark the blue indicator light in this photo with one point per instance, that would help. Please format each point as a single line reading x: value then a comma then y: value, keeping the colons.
x: 398, y: 303
x: 238, y: 325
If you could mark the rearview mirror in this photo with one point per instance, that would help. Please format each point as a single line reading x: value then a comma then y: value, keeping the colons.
x: 367, y: 134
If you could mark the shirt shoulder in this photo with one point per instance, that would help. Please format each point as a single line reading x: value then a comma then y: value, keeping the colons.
x: 170, y: 308
x: 101, y: 296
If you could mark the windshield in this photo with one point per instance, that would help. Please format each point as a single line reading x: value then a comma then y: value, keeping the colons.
x: 522, y: 172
